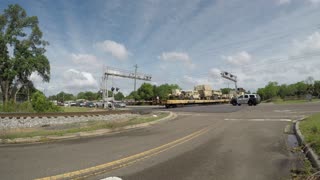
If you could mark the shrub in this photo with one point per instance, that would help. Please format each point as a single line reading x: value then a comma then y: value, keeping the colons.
x: 41, y: 104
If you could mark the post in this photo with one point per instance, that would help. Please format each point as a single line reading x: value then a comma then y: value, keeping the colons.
x: 106, y: 89
x: 135, y: 77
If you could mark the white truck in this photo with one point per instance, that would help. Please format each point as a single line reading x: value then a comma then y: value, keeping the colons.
x: 250, y: 99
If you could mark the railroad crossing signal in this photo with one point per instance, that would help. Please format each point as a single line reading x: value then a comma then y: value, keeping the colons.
x: 230, y: 77
x: 109, y: 71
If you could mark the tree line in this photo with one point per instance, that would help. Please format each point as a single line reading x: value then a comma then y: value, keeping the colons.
x: 149, y: 92
x: 87, y: 95
x: 296, y: 90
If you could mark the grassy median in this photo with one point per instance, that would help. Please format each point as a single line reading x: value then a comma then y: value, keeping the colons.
x: 300, y: 101
x: 60, y: 130
x: 310, y: 128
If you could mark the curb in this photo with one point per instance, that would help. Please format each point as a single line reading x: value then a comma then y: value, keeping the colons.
x: 311, y: 155
x: 99, y: 132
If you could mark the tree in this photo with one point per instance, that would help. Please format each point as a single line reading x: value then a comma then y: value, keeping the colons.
x: 261, y: 92
x: 62, y: 96
x: 225, y: 90
x: 316, y: 88
x: 283, y: 91
x: 134, y: 95
x: 302, y: 88
x: 22, y: 34
x: 118, y: 96
x: 89, y: 95
x: 271, y: 90
x: 164, y: 90
x: 291, y: 90
x: 145, y: 91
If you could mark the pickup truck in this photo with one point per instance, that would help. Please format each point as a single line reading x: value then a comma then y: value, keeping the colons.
x: 250, y: 99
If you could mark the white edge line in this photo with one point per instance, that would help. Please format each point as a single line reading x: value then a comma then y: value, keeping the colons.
x: 283, y: 120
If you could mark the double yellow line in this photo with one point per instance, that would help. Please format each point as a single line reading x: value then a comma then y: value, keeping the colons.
x: 103, y: 168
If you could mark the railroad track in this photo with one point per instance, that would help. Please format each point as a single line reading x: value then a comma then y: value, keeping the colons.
x: 59, y: 114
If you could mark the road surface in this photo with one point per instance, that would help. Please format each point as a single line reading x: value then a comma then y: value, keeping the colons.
x: 203, y: 142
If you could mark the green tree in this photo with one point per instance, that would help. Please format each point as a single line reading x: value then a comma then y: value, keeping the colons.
x: 52, y: 97
x: 302, y: 88
x: 62, y: 96
x: 261, y: 92
x: 164, y: 90
x: 145, y: 91
x: 22, y: 34
x: 283, y: 91
x: 316, y: 88
x: 134, y: 95
x: 90, y: 96
x: 225, y: 90
x: 271, y: 90
x: 81, y: 95
x: 118, y: 96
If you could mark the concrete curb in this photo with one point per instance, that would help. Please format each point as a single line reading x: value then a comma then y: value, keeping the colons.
x: 311, y: 155
x: 100, y: 132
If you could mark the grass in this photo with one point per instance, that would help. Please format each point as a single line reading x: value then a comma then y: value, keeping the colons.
x: 79, y: 127
x: 77, y: 109
x: 300, y: 101
x: 310, y: 128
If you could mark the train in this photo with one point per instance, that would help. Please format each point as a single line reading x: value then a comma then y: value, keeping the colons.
x: 201, y: 94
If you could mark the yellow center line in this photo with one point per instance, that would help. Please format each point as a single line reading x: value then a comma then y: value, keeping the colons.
x: 126, y: 161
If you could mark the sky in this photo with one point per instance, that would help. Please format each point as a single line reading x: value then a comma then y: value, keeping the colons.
x: 178, y: 42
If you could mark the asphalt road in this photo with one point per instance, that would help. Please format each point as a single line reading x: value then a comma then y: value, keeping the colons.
x: 203, y: 142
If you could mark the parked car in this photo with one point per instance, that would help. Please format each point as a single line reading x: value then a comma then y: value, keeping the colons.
x: 119, y: 105
x: 82, y: 104
x: 90, y: 104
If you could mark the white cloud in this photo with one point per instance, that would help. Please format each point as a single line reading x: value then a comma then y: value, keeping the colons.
x: 177, y: 57
x: 84, y: 59
x: 192, y: 81
x: 77, y: 80
x: 117, y: 50
x: 215, y: 73
x: 281, y: 2
x: 240, y: 58
x: 36, y: 78
x: 314, y: 1
x: 311, y: 43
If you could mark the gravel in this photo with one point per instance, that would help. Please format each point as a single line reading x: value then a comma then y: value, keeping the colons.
x: 28, y: 122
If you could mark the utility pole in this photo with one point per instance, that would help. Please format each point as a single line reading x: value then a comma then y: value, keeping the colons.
x: 112, y: 91
x: 135, y: 76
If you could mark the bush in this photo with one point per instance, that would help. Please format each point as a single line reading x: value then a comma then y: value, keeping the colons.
x: 41, y: 104
x: 16, y: 107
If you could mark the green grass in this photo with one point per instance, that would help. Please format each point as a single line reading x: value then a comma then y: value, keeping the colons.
x: 77, y: 109
x: 310, y: 128
x: 301, y: 101
x: 90, y: 126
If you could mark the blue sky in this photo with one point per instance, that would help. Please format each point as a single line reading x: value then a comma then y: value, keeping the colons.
x: 177, y: 41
